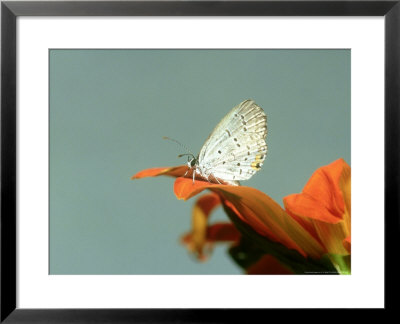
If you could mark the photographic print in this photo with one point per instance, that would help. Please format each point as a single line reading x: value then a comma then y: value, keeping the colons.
x: 200, y: 161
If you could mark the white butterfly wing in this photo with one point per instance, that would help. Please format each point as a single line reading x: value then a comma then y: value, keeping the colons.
x: 236, y: 148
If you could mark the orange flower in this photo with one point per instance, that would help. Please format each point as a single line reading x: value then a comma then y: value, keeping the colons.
x: 302, y: 237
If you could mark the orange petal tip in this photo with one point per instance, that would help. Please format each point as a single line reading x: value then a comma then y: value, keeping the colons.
x: 177, y: 171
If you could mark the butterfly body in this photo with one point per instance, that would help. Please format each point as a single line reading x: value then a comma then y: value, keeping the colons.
x: 236, y: 148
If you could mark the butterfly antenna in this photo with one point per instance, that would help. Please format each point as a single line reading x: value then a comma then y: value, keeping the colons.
x: 181, y: 145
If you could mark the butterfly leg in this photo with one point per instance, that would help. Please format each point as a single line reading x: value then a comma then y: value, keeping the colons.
x: 186, y: 173
x: 208, y: 178
x: 216, y: 178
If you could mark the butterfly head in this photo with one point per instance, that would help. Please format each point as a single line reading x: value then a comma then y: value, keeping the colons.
x: 193, y: 162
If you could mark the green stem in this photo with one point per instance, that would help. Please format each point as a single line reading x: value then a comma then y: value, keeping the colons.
x: 342, y: 263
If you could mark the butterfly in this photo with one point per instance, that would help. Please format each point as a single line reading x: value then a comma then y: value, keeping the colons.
x: 236, y: 149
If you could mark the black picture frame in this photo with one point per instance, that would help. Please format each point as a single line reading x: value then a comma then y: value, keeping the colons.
x: 11, y: 10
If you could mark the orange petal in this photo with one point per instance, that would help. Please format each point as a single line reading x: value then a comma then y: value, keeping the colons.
x: 307, y: 224
x: 185, y: 188
x: 177, y: 171
x: 322, y: 197
x: 202, y: 246
x: 304, y: 205
x: 207, y: 203
x: 268, y: 265
x: 200, y: 213
x: 258, y: 210
x: 222, y: 232
x: 347, y: 244
x: 332, y: 236
x: 324, y: 186
x: 218, y: 232
x: 345, y: 186
x: 324, y: 207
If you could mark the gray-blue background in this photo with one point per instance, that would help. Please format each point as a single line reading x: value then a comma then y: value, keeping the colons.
x: 108, y: 112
